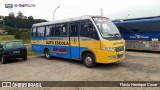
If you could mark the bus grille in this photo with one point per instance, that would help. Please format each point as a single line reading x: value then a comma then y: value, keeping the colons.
x: 118, y: 49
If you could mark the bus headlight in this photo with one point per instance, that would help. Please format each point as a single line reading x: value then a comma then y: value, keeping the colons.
x: 109, y: 48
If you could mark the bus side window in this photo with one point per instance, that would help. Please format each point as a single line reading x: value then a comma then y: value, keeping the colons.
x: 40, y: 31
x: 88, y: 30
x: 61, y: 30
x: 34, y: 32
x: 47, y: 31
x: 64, y: 30
x: 52, y: 30
x: 74, y: 30
x: 58, y: 30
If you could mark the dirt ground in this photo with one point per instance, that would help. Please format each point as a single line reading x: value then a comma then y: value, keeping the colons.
x: 138, y: 66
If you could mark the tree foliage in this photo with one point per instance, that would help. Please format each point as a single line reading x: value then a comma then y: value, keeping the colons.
x: 11, y: 14
x: 21, y: 21
x: 20, y: 25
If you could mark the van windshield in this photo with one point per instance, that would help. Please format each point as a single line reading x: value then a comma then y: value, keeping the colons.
x: 106, y: 27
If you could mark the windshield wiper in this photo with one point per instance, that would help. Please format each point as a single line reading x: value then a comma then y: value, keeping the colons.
x: 116, y: 35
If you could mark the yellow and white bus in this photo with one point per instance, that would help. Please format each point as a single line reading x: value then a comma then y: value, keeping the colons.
x: 91, y: 39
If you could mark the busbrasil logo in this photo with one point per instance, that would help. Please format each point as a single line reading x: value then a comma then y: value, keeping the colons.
x: 8, y: 5
x: 19, y: 5
x: 15, y: 5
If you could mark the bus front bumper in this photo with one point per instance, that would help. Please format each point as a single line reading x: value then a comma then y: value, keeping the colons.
x: 112, y: 57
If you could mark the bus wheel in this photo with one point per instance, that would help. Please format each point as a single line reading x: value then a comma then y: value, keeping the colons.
x: 47, y: 54
x: 89, y: 60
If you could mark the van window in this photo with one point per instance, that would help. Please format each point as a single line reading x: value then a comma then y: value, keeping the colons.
x: 88, y: 30
x: 74, y: 29
x: 61, y: 30
x: 40, y: 31
x: 52, y: 30
x: 48, y: 31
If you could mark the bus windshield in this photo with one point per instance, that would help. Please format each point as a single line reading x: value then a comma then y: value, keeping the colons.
x: 106, y: 27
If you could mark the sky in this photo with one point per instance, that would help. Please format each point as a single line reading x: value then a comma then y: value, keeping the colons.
x: 113, y: 9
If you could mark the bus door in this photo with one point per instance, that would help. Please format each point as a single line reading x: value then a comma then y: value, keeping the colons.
x: 74, y: 40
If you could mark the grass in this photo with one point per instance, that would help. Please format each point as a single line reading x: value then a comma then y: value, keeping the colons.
x: 30, y: 52
x: 11, y: 37
x: 7, y: 37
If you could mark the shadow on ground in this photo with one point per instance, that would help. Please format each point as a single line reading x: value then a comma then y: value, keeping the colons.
x: 79, y: 63
x: 144, y: 51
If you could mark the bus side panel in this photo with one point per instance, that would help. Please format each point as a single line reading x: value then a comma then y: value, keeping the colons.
x: 143, y: 41
x: 74, y: 47
x: 38, y: 48
x: 37, y: 44
x: 93, y: 46
x: 75, y: 52
x: 60, y: 51
x: 141, y: 34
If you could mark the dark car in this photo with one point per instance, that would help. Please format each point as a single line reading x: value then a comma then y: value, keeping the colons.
x: 12, y: 49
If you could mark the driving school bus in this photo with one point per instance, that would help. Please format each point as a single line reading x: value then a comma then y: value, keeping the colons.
x: 91, y: 39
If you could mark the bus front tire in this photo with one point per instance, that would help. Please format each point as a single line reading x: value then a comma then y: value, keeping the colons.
x: 48, y: 54
x: 89, y: 60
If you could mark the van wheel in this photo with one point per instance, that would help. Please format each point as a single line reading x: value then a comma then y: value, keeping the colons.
x: 3, y: 60
x: 24, y: 58
x: 89, y: 60
x: 48, y: 54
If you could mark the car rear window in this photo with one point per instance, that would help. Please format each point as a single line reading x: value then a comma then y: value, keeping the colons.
x: 14, y: 45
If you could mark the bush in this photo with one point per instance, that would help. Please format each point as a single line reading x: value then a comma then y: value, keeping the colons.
x: 17, y: 35
x: 10, y: 30
x: 23, y: 35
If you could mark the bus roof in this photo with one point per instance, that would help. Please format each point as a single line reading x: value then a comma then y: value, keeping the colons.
x: 65, y: 20
x: 145, y: 19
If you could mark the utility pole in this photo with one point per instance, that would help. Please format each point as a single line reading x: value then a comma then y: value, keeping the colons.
x: 127, y: 16
x: 101, y: 11
x: 55, y: 12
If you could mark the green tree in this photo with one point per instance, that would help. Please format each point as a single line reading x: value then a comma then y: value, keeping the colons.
x: 17, y: 35
x: 30, y: 17
x: 20, y: 14
x: 11, y: 14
